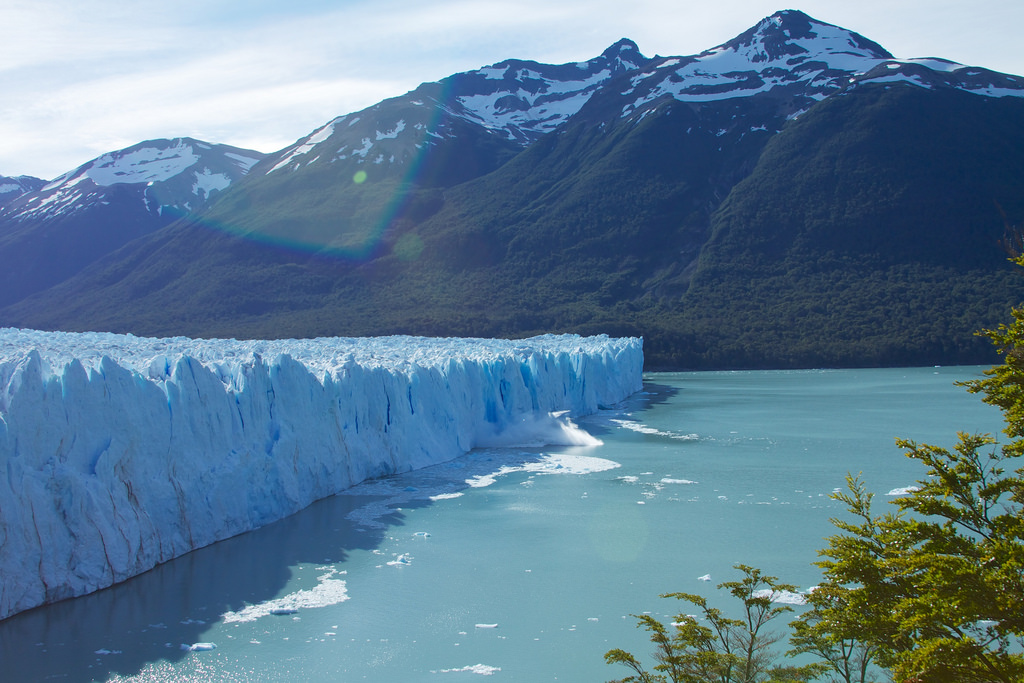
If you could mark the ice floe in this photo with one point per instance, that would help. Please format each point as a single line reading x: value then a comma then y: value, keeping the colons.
x: 328, y: 591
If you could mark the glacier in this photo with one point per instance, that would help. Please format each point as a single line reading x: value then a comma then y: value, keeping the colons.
x: 122, y: 452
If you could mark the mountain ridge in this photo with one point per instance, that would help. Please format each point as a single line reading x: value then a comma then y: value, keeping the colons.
x: 613, y: 220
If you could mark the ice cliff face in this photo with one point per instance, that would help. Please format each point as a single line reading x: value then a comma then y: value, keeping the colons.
x: 123, y: 452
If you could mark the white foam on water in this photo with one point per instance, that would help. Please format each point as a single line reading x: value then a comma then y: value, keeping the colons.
x: 668, y: 480
x: 448, y: 480
x: 641, y: 428
x: 557, y: 463
x: 329, y: 591
x: 536, y: 431
x: 446, y: 496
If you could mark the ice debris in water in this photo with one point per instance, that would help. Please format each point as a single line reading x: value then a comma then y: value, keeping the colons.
x: 198, y: 647
x: 481, y: 669
x: 903, y: 491
x: 328, y: 591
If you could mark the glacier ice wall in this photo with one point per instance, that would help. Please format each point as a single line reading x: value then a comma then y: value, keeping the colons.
x: 122, y: 452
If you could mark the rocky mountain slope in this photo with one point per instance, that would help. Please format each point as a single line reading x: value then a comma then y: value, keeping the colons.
x: 12, y: 188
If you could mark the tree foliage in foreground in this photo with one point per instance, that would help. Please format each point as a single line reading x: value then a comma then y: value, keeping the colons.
x: 937, y: 587
x: 932, y: 592
x: 714, y: 647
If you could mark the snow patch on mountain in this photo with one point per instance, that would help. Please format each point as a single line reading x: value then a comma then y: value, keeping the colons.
x: 143, y: 165
x: 207, y: 182
x: 538, y: 109
x: 393, y: 133
x: 243, y: 161
x: 307, y: 145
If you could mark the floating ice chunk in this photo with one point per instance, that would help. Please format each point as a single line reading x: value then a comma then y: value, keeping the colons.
x: 329, y: 591
x: 481, y: 669
x: 903, y: 491
x: 667, y: 480
x: 198, y: 647
x: 402, y: 560
x: 562, y: 463
x: 784, y: 597
x: 487, y: 626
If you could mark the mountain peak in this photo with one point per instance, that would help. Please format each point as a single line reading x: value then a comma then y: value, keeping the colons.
x: 791, y: 34
x: 624, y: 51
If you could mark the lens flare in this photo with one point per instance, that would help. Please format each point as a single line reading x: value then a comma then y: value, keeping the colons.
x: 350, y: 217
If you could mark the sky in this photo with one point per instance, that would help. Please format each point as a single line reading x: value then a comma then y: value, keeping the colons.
x: 79, y: 78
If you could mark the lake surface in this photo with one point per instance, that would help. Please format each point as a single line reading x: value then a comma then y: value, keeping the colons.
x: 520, y: 564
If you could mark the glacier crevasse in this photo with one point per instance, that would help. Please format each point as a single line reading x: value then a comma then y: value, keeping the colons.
x: 119, y: 452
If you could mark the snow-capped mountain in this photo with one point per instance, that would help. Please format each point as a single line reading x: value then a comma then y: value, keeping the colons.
x: 620, y: 194
x: 513, y: 101
x: 177, y: 175
x: 12, y: 188
x: 797, y: 61
x: 787, y: 58
x: 52, y: 232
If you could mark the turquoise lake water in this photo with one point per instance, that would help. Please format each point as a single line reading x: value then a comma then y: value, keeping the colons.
x: 518, y: 564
